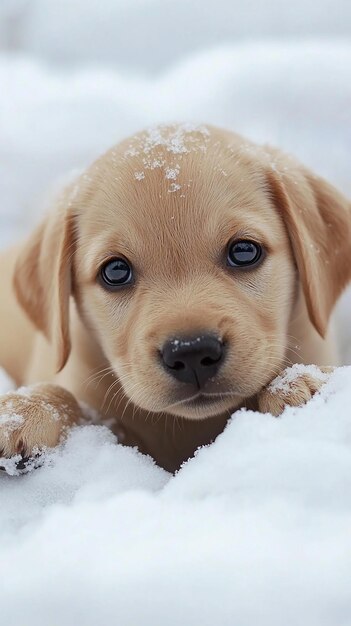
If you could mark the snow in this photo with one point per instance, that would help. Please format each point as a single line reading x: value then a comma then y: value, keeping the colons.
x: 256, y: 528
x: 139, y: 175
x: 150, y: 35
x: 286, y: 380
x: 53, y: 121
x: 156, y: 140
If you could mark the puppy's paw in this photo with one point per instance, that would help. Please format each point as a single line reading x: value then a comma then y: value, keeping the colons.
x: 35, y: 418
x: 294, y: 387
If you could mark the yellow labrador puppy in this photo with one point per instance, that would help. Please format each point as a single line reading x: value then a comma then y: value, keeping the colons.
x: 182, y: 272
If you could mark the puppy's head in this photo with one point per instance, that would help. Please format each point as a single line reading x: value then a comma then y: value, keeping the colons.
x: 184, y: 248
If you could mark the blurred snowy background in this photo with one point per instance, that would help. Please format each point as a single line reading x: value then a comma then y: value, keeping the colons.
x: 76, y: 76
x: 256, y: 529
x: 142, y: 36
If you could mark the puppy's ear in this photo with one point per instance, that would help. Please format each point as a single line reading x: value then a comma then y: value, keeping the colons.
x: 318, y: 220
x: 43, y: 280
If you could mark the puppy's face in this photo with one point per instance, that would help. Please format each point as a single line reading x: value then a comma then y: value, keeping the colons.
x: 184, y: 271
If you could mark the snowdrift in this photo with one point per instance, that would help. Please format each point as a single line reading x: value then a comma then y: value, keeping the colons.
x: 254, y: 529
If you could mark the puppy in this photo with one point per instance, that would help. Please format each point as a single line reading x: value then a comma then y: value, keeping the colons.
x: 182, y: 272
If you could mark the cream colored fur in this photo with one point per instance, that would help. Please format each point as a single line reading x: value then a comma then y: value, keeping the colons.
x: 59, y: 326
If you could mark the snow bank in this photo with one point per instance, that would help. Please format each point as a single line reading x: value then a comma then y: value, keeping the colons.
x: 254, y: 530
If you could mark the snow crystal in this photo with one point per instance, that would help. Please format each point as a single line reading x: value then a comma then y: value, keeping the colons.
x: 131, y: 152
x: 174, y: 187
x: 183, y: 139
x: 11, y: 421
x: 286, y: 380
x: 157, y: 146
x: 172, y: 173
x: 17, y: 465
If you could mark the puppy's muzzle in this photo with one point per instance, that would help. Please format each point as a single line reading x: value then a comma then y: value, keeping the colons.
x: 193, y: 360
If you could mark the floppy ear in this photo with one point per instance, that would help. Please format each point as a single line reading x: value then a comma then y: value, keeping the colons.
x: 43, y: 278
x: 318, y: 220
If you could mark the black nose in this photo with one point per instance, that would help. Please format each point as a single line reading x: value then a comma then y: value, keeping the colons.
x: 193, y: 360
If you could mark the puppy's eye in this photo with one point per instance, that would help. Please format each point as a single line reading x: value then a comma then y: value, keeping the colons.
x: 116, y: 273
x: 242, y: 253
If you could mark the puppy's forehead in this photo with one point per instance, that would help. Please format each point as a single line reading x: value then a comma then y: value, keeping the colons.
x: 178, y: 183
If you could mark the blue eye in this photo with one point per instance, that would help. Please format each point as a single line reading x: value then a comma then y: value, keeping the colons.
x: 116, y: 273
x: 242, y: 253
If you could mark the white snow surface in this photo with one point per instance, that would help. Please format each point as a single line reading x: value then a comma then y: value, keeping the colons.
x: 255, y: 530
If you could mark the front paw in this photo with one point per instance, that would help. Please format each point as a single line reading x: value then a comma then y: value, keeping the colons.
x: 35, y: 418
x: 294, y: 387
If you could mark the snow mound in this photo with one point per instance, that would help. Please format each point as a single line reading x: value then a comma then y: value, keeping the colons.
x: 254, y: 529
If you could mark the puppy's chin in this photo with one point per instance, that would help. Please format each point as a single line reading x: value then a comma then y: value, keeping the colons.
x: 202, y: 407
